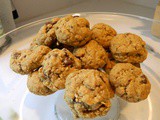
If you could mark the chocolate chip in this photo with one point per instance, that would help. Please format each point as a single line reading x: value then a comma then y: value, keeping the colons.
x: 55, y: 55
x: 16, y: 55
x: 144, y: 79
x: 138, y: 55
x: 67, y: 61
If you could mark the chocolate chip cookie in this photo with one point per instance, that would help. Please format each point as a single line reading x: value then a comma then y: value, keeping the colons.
x: 36, y: 86
x: 103, y: 34
x: 129, y: 82
x: 92, y: 55
x: 46, y: 35
x: 56, y: 65
x: 26, y: 61
x: 87, y: 93
x: 129, y: 48
x: 73, y: 31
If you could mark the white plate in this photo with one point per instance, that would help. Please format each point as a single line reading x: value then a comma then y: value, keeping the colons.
x: 17, y: 103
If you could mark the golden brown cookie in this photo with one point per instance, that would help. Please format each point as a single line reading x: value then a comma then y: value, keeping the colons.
x: 36, y: 86
x: 103, y: 34
x: 73, y: 31
x: 87, y: 93
x: 92, y: 55
x: 129, y: 48
x: 56, y: 65
x: 46, y: 35
x: 16, y: 61
x: 129, y: 82
x: 26, y: 61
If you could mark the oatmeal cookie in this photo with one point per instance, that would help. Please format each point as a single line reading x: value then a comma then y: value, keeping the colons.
x: 56, y: 65
x: 87, y: 93
x: 16, y: 61
x: 129, y: 48
x: 26, y: 61
x: 129, y: 82
x: 46, y: 35
x: 103, y: 34
x: 92, y: 55
x: 36, y: 86
x: 73, y: 31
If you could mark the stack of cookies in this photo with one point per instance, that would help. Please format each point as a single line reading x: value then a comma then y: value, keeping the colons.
x: 90, y: 64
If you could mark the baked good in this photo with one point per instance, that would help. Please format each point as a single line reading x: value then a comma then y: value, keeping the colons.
x: 87, y: 93
x: 92, y: 55
x: 129, y: 48
x: 26, y: 61
x: 16, y: 61
x: 56, y: 65
x: 129, y: 82
x: 36, y: 86
x: 46, y: 35
x: 103, y: 34
x: 73, y: 31
x: 88, y: 88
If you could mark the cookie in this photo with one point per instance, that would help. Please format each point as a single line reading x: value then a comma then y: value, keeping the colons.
x: 87, y: 93
x: 36, y: 86
x: 129, y: 48
x: 56, y: 65
x: 103, y: 34
x: 73, y: 31
x: 46, y: 35
x: 26, y: 61
x: 17, y: 59
x: 129, y: 82
x: 92, y: 55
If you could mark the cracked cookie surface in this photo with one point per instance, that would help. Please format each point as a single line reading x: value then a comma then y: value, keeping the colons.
x: 73, y: 31
x: 56, y: 65
x: 26, y: 61
x: 87, y: 93
x: 46, y: 35
x: 92, y: 55
x: 103, y: 34
x: 129, y: 48
x: 36, y: 86
x: 129, y: 82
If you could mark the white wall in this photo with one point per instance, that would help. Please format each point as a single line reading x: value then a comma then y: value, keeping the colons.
x: 147, y: 3
x: 28, y: 9
x: 31, y: 10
